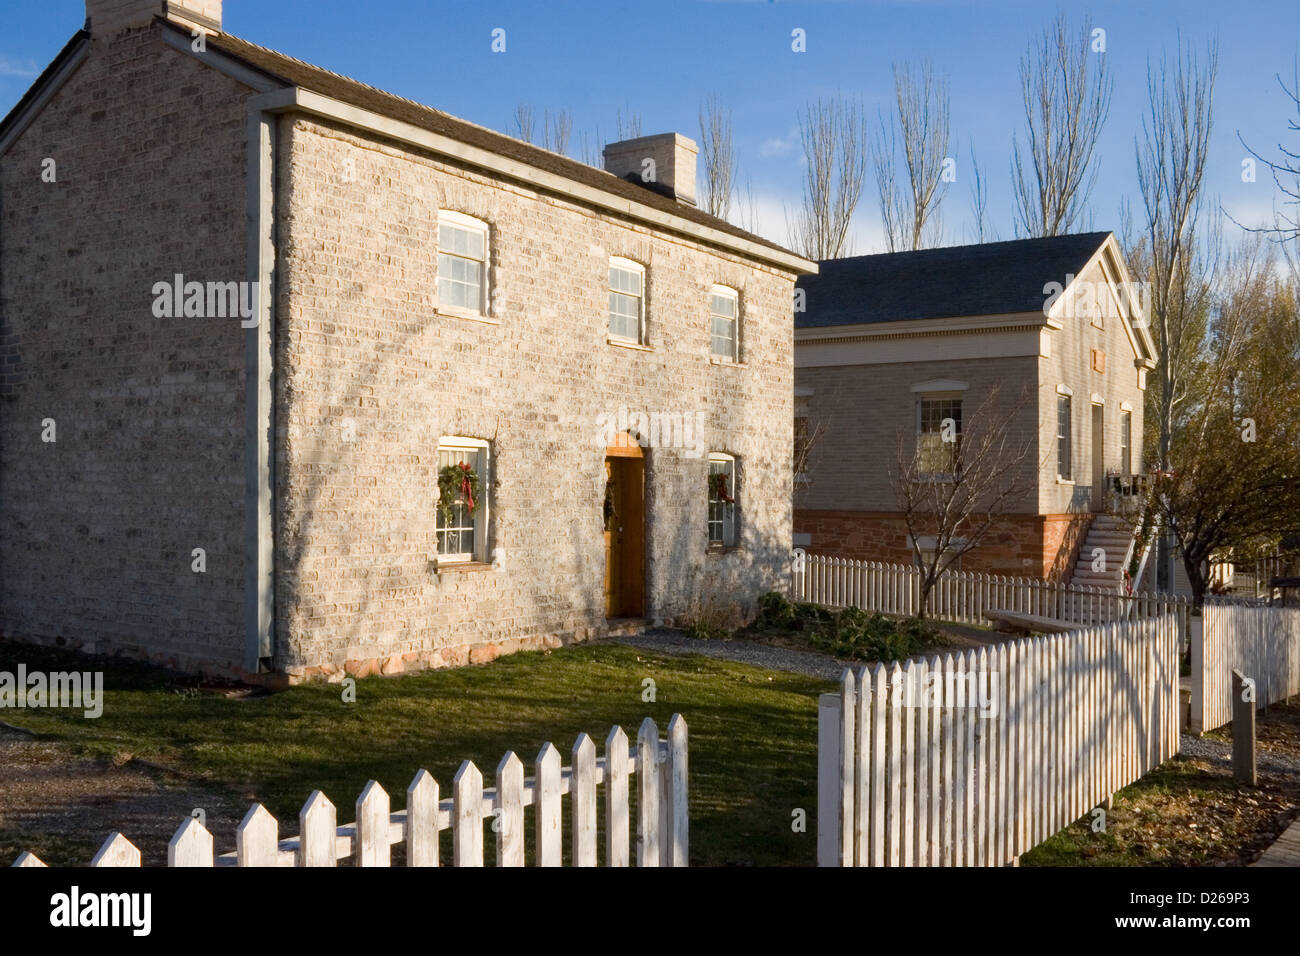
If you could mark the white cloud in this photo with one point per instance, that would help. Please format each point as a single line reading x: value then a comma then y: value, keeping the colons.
x: 769, y: 211
x: 12, y: 67
x: 774, y: 147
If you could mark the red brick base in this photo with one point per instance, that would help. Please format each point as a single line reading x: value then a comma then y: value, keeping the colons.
x: 1036, y: 546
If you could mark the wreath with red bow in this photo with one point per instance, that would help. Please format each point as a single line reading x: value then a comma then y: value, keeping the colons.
x: 718, y: 487
x: 457, y: 482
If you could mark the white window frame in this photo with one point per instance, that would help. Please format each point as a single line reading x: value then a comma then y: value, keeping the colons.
x: 481, y: 512
x: 734, y: 295
x: 1068, y: 438
x: 730, y: 522
x: 1125, y: 442
x: 628, y: 265
x: 448, y: 217
x: 945, y: 396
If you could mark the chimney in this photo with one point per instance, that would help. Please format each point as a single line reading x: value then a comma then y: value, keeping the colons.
x: 664, y: 163
x: 107, y: 18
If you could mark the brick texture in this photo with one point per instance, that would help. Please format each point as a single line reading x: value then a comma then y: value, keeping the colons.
x: 97, y: 528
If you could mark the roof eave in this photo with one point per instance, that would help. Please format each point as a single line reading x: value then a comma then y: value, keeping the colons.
x: 53, y: 77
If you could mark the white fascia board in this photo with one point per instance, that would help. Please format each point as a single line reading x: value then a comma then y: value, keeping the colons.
x: 906, y: 327
x: 296, y: 99
x: 253, y: 79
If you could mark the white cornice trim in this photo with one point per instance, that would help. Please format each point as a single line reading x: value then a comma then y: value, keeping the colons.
x: 1013, y: 322
x: 296, y: 99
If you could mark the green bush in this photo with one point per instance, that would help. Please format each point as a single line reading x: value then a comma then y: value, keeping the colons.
x: 776, y: 612
x: 859, y: 635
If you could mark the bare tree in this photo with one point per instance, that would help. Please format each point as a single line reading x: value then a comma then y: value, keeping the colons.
x: 524, y: 122
x: 979, y: 202
x: 909, y: 203
x: 719, y: 157
x: 557, y: 128
x: 1285, y: 170
x: 629, y: 127
x: 1171, y: 158
x: 832, y: 133
x: 1248, y: 387
x: 956, y: 488
x: 747, y: 208
x: 1067, y: 90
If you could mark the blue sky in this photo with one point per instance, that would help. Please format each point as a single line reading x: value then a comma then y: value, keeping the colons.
x: 659, y: 59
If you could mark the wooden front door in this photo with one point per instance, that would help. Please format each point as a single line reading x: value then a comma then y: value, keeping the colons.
x: 624, y: 532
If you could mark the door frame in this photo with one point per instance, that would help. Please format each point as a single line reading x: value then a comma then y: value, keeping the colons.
x: 625, y: 453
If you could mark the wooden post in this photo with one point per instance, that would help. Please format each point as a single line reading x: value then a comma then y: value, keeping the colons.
x: 828, y: 779
x: 1243, y: 732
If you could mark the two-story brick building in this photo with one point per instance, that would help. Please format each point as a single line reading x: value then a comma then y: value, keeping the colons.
x: 304, y: 378
x: 893, y: 346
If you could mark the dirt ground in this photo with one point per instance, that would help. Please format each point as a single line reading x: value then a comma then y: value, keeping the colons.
x: 62, y: 807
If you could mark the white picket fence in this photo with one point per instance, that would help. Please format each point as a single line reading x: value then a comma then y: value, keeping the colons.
x: 906, y: 781
x: 964, y: 596
x: 1262, y: 642
x: 659, y: 767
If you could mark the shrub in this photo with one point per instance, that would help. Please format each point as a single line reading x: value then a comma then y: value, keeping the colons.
x: 858, y: 635
x: 709, y: 620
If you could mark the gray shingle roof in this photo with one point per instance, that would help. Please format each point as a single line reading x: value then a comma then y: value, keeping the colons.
x: 987, y: 279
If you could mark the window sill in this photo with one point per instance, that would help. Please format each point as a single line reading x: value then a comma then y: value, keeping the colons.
x: 629, y: 344
x: 451, y: 312
x: 459, y: 567
x: 729, y: 363
x: 722, y: 549
x: 1064, y: 481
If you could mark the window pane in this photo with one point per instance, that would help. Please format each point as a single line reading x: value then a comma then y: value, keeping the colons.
x: 723, y: 337
x: 460, y: 282
x: 460, y: 241
x: 624, y: 315
x: 722, y: 514
x: 625, y: 280
x: 724, y: 305
x: 457, y: 536
x: 1063, y: 436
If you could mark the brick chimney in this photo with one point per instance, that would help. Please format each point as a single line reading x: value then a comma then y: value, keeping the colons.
x: 664, y: 163
x: 107, y: 18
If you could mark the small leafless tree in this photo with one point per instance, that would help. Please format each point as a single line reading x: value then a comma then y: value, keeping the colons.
x: 832, y: 134
x: 909, y: 203
x: 1067, y: 91
x: 629, y: 127
x: 557, y: 128
x: 956, y: 491
x: 1171, y: 159
x: 718, y: 155
x: 523, y: 118
x: 979, y: 202
x: 747, y: 217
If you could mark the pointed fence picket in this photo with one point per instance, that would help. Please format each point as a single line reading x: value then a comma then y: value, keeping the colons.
x: 973, y: 759
x: 1262, y: 642
x: 659, y: 767
x: 964, y: 596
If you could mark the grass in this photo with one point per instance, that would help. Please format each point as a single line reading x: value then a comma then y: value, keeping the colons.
x: 1182, y: 813
x: 752, y: 733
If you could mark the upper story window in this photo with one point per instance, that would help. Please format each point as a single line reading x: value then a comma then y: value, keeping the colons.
x: 462, y: 263
x: 462, y: 499
x: 938, y: 434
x: 1064, y: 462
x: 724, y: 323
x: 626, y: 300
x: 722, y: 500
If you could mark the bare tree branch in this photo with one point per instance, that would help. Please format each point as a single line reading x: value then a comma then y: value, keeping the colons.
x: 1067, y: 91
x: 718, y: 156
x: 834, y: 147
x: 909, y: 207
x: 523, y: 118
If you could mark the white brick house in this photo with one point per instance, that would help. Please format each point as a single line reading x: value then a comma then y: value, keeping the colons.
x: 278, y: 491
x: 891, y: 345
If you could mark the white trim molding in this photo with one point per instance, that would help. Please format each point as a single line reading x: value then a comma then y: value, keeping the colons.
x: 940, y: 385
x: 1063, y: 389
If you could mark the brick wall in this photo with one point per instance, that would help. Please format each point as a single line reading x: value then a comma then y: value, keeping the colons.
x: 97, y: 528
x: 359, y: 338
x: 1019, y: 545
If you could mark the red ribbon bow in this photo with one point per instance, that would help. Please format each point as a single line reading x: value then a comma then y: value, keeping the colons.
x: 466, y: 488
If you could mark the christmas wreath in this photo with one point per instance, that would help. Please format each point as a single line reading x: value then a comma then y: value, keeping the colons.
x: 457, y: 482
x: 718, y: 487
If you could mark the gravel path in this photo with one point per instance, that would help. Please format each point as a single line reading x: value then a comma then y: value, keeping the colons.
x: 1219, y: 753
x: 668, y: 641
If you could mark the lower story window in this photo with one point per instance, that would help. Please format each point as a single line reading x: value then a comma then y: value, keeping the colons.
x: 462, y: 500
x: 722, y: 500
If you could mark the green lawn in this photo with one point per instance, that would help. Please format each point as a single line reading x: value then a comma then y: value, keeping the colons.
x: 753, y: 733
